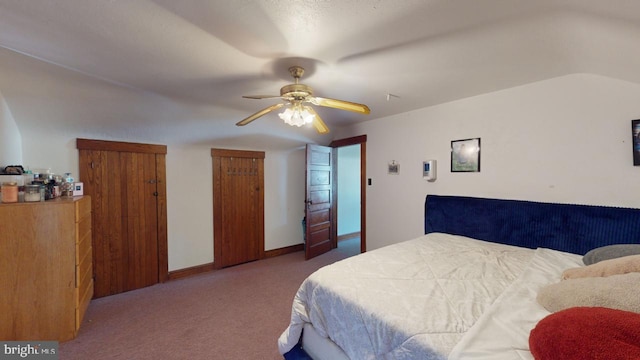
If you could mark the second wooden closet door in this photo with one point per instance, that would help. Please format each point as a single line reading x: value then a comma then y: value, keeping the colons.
x: 238, y: 206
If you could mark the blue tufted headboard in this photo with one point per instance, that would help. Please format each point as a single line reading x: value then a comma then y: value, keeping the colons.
x: 565, y: 227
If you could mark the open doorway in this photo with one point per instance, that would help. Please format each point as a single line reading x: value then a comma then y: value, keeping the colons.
x: 349, y: 199
x: 350, y: 159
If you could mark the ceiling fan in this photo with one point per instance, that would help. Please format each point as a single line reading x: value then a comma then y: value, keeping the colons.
x: 298, y: 113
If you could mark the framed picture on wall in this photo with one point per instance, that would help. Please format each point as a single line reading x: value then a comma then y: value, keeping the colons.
x: 635, y: 132
x: 465, y: 155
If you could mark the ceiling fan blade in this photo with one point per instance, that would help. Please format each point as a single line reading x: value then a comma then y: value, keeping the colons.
x: 340, y: 104
x: 260, y: 96
x: 320, y: 126
x: 259, y: 113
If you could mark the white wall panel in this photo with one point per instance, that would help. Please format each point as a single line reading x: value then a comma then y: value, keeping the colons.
x: 566, y: 140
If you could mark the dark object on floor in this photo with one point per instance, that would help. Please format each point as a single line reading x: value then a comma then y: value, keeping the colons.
x: 297, y: 354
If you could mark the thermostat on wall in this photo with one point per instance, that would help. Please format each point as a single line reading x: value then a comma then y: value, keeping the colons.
x: 429, y: 170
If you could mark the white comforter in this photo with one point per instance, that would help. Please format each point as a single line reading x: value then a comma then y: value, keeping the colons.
x: 426, y: 298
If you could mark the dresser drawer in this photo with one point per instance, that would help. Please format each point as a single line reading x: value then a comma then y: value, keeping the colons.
x: 83, y: 229
x: 83, y: 208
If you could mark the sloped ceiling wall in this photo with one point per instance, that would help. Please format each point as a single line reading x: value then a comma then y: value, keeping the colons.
x: 175, y: 72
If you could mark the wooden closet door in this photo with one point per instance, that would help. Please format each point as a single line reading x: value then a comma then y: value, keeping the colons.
x: 139, y: 219
x: 128, y: 232
x: 238, y: 206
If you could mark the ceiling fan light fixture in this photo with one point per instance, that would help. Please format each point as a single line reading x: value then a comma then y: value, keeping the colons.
x: 297, y: 115
x: 295, y: 95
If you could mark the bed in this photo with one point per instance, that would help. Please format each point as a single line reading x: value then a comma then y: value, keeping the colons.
x: 467, y: 289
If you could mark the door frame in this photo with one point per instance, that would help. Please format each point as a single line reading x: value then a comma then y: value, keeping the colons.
x: 362, y: 141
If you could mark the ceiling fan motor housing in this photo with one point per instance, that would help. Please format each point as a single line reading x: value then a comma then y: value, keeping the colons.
x: 296, y: 91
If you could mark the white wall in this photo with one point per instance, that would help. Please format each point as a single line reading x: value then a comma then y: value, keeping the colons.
x: 10, y: 138
x: 190, y: 193
x: 348, y: 189
x: 189, y: 206
x: 50, y: 150
x: 565, y: 140
x: 284, y: 181
x: 190, y: 202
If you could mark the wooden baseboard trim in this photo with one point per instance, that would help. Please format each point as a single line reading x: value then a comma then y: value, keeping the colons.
x: 194, y: 270
x: 348, y: 236
x: 283, y: 251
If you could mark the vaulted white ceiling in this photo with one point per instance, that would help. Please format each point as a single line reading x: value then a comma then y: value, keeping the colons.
x: 175, y: 71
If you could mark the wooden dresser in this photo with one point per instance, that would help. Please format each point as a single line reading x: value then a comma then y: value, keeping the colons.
x: 46, y: 276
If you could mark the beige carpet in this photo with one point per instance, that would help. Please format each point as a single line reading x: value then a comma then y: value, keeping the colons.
x: 234, y: 313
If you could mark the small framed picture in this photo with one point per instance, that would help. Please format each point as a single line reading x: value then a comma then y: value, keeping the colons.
x: 394, y: 168
x: 465, y: 155
x: 635, y: 133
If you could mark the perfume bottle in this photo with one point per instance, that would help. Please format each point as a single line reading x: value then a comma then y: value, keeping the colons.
x: 67, y: 185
